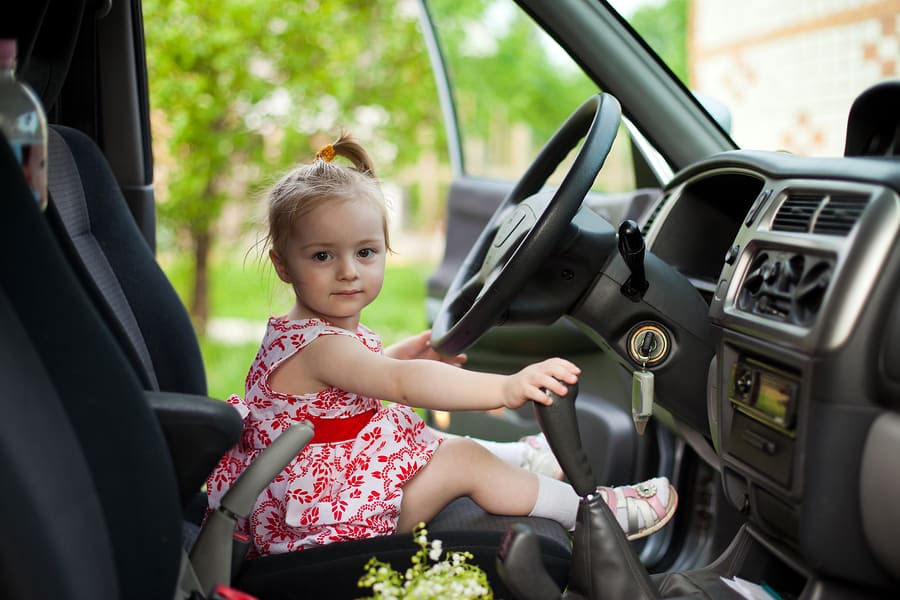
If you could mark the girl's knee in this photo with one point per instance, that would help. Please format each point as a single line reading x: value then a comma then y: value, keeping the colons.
x: 463, y: 448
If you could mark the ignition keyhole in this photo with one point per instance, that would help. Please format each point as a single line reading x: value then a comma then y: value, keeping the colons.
x: 648, y: 343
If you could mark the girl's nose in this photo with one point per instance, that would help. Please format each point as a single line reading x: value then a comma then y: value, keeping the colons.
x: 347, y: 269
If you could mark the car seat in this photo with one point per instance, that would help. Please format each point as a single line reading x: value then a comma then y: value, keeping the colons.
x: 106, y: 522
x: 133, y: 304
x: 43, y: 467
x: 38, y: 479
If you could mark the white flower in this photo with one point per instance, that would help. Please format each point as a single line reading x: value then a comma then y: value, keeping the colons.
x: 448, y: 578
x: 422, y: 537
x: 436, y: 548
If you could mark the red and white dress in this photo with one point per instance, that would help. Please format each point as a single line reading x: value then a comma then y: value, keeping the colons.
x: 347, y: 483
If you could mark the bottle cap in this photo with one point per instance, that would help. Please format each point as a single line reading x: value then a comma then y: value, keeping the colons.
x: 8, y: 52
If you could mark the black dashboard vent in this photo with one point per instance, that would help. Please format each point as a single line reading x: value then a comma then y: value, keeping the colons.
x: 797, y: 211
x: 786, y: 286
x: 840, y: 214
x: 821, y: 213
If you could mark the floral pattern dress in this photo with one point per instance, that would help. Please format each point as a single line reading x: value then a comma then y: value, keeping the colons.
x: 344, y: 487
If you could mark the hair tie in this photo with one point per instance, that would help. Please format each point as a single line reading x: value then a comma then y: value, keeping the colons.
x: 326, y: 153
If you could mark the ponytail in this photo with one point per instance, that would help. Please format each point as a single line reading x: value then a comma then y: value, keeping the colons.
x: 350, y: 149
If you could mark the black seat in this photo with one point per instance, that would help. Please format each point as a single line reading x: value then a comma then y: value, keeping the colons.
x: 138, y: 304
x: 41, y: 478
x: 113, y: 503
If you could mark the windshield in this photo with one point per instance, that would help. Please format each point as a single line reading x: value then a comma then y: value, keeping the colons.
x: 779, y: 75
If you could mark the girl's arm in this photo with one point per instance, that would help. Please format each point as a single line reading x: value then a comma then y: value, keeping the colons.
x: 340, y: 361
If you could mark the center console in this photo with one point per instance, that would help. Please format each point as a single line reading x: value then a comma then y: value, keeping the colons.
x: 802, y: 294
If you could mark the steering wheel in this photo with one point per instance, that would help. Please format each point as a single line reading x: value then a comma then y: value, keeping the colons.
x: 525, y: 228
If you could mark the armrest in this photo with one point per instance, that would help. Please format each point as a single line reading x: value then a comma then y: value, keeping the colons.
x: 198, y: 431
x: 212, y: 554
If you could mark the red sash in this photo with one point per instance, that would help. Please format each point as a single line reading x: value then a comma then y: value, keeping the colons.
x: 329, y: 431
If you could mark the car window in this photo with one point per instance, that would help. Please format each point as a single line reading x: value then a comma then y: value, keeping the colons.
x: 512, y: 86
x: 786, y: 72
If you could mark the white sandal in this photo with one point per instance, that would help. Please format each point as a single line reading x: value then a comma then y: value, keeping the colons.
x: 643, y: 508
x: 539, y: 458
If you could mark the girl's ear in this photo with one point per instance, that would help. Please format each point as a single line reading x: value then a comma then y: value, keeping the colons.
x: 279, y: 265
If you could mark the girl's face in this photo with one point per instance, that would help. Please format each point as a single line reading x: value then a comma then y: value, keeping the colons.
x: 334, y: 260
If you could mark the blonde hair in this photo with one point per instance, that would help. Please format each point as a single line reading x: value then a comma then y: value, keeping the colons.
x: 307, y: 187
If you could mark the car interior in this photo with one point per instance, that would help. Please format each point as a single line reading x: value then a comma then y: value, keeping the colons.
x: 747, y: 304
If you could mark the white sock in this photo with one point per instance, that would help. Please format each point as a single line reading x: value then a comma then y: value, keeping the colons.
x: 556, y: 500
x: 512, y: 453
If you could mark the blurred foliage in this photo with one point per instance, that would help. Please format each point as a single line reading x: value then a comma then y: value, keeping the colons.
x: 664, y: 28
x: 491, y: 41
x: 241, y: 90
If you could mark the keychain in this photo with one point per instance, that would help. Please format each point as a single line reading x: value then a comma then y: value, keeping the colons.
x: 641, y: 395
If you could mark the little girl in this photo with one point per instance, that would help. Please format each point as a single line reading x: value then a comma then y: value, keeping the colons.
x: 373, y: 468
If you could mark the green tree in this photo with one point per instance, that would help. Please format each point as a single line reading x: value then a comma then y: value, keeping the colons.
x: 664, y: 28
x: 242, y: 90
x: 505, y: 71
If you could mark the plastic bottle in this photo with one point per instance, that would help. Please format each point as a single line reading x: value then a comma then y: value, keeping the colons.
x: 23, y: 122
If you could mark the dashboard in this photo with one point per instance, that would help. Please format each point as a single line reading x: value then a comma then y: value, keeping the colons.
x: 798, y: 260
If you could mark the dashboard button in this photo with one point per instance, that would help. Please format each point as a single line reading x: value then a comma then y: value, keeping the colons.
x: 757, y: 205
x: 721, y: 290
x: 732, y: 254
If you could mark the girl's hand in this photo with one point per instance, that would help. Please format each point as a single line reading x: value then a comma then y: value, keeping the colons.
x: 530, y: 382
x: 419, y: 347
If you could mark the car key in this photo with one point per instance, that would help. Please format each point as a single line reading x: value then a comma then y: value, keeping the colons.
x: 641, y: 397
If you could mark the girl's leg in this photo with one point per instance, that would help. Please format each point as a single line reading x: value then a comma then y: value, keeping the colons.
x: 462, y: 467
x: 532, y: 453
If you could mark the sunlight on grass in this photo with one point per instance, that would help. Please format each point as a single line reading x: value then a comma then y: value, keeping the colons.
x: 226, y: 366
x: 249, y: 292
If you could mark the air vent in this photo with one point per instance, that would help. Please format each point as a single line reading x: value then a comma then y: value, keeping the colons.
x: 817, y: 212
x: 840, y: 214
x: 786, y: 286
x: 797, y: 212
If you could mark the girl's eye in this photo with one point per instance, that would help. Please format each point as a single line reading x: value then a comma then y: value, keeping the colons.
x: 365, y: 252
x: 320, y: 256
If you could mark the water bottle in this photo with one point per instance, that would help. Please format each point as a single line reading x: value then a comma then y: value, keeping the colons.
x: 24, y: 123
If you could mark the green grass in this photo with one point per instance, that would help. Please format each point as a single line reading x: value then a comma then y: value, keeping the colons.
x: 245, y: 289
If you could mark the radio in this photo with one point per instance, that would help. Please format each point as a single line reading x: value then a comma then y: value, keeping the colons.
x: 765, y: 393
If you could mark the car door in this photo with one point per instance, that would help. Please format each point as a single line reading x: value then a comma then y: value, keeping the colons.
x: 505, y: 86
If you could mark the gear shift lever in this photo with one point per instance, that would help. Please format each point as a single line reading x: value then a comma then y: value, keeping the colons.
x: 604, y: 565
x: 560, y: 427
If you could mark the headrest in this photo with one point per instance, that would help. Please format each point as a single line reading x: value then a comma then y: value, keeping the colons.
x: 873, y: 126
